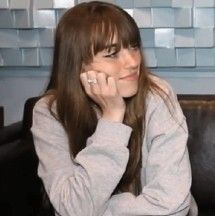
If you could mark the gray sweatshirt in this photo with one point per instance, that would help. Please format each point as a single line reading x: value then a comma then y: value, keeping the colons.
x: 82, y: 186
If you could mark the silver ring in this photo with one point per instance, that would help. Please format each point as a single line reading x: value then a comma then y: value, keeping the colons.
x: 92, y: 81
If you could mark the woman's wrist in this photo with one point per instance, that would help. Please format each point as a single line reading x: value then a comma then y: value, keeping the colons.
x: 115, y: 116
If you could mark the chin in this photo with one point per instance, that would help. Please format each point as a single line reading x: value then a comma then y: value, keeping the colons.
x: 128, y: 89
x: 129, y: 93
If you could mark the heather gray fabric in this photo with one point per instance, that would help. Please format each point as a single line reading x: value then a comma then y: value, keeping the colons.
x: 82, y: 186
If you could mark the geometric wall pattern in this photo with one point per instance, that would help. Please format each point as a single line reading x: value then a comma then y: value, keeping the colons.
x: 175, y: 33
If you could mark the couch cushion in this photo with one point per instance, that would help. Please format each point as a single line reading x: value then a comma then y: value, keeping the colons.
x: 1, y: 116
x: 21, y: 190
x: 200, y: 115
x: 10, y: 133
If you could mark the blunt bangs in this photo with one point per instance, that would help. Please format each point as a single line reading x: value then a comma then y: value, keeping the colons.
x: 110, y: 27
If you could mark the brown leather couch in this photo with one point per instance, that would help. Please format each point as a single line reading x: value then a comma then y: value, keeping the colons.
x: 22, y: 192
x: 1, y: 117
x: 200, y: 114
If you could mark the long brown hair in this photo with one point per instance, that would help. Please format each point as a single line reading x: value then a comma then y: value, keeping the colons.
x: 83, y: 31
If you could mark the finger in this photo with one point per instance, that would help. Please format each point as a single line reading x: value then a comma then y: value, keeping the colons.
x: 84, y: 82
x: 102, y: 80
x: 95, y: 87
x: 112, y: 85
x: 87, y: 86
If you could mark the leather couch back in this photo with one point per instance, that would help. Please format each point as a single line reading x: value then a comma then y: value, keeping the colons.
x: 1, y: 117
x: 200, y: 114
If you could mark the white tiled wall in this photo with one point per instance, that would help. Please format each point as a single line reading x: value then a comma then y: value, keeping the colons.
x: 173, y: 25
x: 178, y: 38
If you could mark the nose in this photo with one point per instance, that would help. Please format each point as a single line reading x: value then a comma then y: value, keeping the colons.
x: 131, y: 59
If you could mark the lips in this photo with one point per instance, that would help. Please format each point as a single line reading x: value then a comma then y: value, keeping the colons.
x: 132, y: 76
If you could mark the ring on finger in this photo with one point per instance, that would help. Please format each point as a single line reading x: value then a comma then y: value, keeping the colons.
x: 92, y: 81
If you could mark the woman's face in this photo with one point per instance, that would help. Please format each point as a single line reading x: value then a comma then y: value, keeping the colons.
x: 123, y: 65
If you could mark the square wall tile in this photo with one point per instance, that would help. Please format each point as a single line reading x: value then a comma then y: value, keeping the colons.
x: 147, y: 37
x: 142, y: 16
x: 125, y: 3
x: 8, y: 38
x: 12, y: 57
x: 6, y: 18
x: 46, y: 37
x: 20, y: 4
x: 185, y: 57
x: 165, y: 57
x: 28, y: 38
x: 130, y: 12
x: 150, y: 57
x: 204, y: 17
x: 44, y: 19
x: 161, y: 3
x: 80, y: 1
x: 22, y: 18
x: 1, y: 59
x: 182, y: 3
x: 46, y: 55
x: 184, y: 38
x: 4, y: 4
x: 46, y: 4
x: 204, y: 37
x: 205, y: 57
x: 30, y: 57
x: 183, y: 17
x: 141, y: 3
x: 204, y: 3
x: 59, y: 13
x: 162, y: 17
x: 64, y: 3
x: 164, y: 37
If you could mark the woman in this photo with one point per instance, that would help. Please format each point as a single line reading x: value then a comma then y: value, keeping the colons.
x: 110, y: 136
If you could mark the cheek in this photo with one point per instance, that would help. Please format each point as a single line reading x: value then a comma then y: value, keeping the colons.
x: 108, y: 69
x: 112, y: 71
x: 138, y: 58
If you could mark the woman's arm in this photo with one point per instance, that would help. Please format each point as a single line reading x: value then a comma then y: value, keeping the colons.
x: 167, y: 169
x: 82, y: 185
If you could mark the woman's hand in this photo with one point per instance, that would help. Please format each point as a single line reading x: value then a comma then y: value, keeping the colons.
x: 105, y: 94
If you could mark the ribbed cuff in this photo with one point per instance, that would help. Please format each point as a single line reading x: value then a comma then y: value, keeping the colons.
x: 115, y: 132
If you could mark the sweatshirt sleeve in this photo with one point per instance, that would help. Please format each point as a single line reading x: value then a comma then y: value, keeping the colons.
x: 167, y: 170
x: 82, y: 185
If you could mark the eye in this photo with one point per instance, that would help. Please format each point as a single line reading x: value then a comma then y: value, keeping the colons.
x: 134, y: 47
x: 112, y: 54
